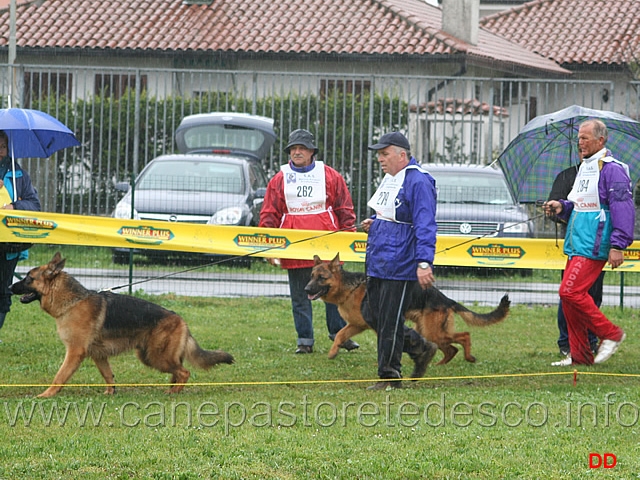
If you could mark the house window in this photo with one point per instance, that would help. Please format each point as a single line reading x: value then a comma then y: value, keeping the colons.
x: 39, y: 85
x: 115, y: 85
x: 354, y: 87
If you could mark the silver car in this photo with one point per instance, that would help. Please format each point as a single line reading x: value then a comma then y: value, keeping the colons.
x: 476, y: 200
x: 218, y: 178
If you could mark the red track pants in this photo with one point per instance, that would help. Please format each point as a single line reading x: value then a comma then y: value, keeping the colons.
x: 581, y: 312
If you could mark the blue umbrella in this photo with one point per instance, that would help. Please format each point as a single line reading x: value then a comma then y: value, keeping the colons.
x: 33, y: 133
x: 549, y: 143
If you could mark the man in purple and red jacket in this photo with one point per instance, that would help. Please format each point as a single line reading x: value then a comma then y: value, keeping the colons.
x: 600, y: 217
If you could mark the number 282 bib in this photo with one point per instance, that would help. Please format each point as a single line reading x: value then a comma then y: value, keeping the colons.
x: 305, y: 193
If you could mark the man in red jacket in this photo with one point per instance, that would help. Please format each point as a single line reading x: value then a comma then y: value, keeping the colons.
x: 309, y: 195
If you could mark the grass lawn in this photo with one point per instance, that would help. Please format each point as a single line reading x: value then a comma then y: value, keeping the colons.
x: 274, y: 414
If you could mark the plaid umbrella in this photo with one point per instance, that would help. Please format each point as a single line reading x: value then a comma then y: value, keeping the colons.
x: 549, y: 143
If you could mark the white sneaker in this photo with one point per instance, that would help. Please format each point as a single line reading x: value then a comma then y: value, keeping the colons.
x: 608, y: 348
x: 565, y: 362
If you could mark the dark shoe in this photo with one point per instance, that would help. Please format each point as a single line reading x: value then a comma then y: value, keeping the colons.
x: 423, y: 359
x: 564, y: 351
x: 349, y: 345
x: 386, y: 385
x: 594, y: 348
x: 304, y: 349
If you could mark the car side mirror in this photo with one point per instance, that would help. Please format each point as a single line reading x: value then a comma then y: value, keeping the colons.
x: 261, y: 192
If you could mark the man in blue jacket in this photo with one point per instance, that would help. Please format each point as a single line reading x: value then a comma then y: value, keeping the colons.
x: 600, y: 217
x: 400, y: 250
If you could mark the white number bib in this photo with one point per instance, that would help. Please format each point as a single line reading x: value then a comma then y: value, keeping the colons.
x: 584, y: 193
x: 305, y: 193
x: 384, y: 200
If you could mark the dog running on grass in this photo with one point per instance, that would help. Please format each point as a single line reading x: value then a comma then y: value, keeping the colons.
x: 101, y: 325
x: 433, y: 317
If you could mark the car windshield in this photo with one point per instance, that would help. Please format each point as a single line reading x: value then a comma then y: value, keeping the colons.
x: 193, y: 176
x: 223, y: 137
x: 457, y: 187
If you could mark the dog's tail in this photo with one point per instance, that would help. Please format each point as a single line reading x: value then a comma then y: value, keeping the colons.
x: 484, y: 319
x: 205, y: 359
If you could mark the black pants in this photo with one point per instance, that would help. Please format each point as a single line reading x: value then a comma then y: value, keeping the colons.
x: 7, y: 267
x: 383, y: 309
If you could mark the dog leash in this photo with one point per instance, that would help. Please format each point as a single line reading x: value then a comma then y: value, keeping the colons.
x: 487, y: 235
x: 266, y: 249
x: 229, y: 259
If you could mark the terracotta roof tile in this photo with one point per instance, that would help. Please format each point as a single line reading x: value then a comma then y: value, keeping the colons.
x: 366, y: 27
x: 460, y: 105
x: 572, y: 32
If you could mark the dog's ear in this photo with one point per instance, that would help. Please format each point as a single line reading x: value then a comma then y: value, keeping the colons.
x: 316, y: 260
x: 55, y: 266
x: 336, y: 260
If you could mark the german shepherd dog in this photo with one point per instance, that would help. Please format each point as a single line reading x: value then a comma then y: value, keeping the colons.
x: 101, y: 325
x: 433, y: 318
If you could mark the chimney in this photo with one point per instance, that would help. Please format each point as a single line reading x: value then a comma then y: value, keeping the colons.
x: 461, y: 18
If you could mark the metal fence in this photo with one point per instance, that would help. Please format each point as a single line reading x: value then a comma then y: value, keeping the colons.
x: 126, y: 117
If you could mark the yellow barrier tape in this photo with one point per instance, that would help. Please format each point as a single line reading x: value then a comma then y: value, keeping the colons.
x: 63, y: 229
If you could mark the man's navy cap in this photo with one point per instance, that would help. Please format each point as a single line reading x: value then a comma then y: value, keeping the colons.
x: 391, y: 138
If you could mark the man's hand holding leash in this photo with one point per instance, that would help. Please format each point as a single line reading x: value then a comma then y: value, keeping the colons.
x: 425, y: 275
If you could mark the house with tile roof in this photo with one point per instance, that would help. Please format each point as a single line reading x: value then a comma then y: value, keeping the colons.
x: 436, y: 72
x: 594, y: 39
x: 406, y: 37
x: 336, y: 37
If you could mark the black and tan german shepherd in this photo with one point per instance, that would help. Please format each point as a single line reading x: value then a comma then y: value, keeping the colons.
x: 433, y: 318
x: 101, y: 325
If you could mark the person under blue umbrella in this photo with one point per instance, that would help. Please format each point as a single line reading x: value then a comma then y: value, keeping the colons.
x: 16, y: 193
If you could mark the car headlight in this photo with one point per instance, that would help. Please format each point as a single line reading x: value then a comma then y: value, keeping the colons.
x: 520, y: 227
x: 226, y: 216
x: 123, y: 210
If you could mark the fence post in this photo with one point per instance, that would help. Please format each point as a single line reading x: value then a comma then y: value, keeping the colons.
x: 372, y: 99
x: 12, y: 53
x: 254, y: 94
x: 132, y: 184
x: 136, y: 126
x: 621, y: 290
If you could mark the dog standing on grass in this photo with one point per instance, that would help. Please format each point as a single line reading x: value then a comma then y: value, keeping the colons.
x: 433, y: 317
x: 103, y: 324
